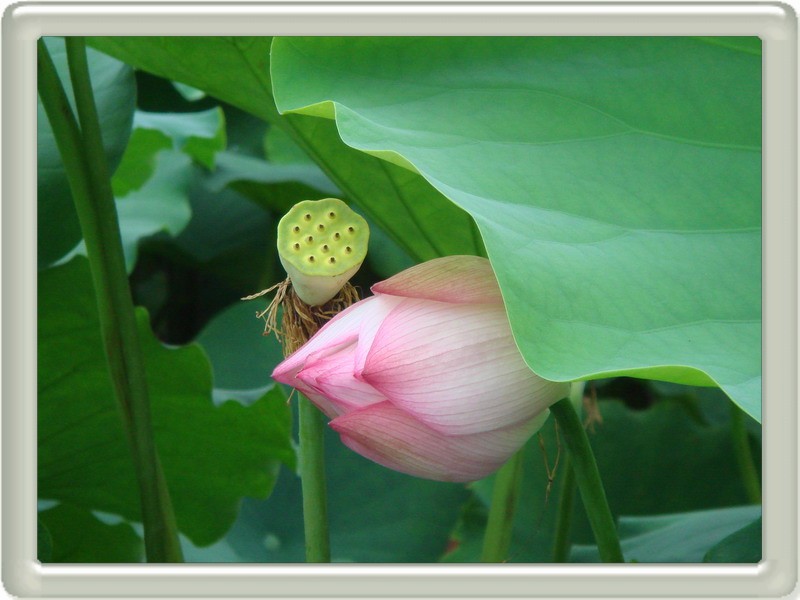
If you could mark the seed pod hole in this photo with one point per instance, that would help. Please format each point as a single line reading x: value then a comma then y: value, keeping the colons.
x: 311, y: 258
x: 331, y: 260
x: 296, y: 229
x: 310, y: 239
x: 337, y: 235
x: 350, y: 229
x: 325, y: 247
x: 321, y: 227
x: 307, y: 216
x: 331, y: 215
x: 348, y: 250
x: 296, y: 246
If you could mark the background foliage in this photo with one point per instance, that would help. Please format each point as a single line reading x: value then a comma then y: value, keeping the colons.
x: 615, y: 184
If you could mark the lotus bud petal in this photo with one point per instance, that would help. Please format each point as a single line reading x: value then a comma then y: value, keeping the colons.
x: 321, y: 244
x: 425, y: 377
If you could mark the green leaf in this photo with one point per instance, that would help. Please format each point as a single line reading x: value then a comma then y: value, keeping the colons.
x: 230, y: 238
x: 80, y: 537
x: 616, y: 183
x: 212, y: 455
x: 651, y: 461
x: 236, y: 70
x: 199, y: 134
x: 280, y: 149
x: 241, y: 356
x: 661, y: 460
x: 139, y: 161
x: 675, y: 538
x: 44, y: 542
x: 416, y: 216
x: 274, y: 187
x: 376, y: 515
x: 161, y: 204
x: 188, y: 92
x: 278, y: 186
x: 152, y: 184
x: 743, y: 546
x: 115, y: 96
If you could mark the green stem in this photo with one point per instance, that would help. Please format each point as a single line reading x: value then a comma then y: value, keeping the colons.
x: 744, y: 456
x: 505, y: 496
x: 566, y: 501
x: 312, y: 477
x: 82, y: 153
x: 589, y: 483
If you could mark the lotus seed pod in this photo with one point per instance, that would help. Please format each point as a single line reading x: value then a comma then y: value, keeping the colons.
x: 321, y: 243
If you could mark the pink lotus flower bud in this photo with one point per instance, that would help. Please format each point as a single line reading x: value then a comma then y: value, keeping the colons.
x: 424, y: 377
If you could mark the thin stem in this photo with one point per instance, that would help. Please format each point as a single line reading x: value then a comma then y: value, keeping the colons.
x: 589, y: 483
x: 505, y: 497
x: 312, y: 477
x: 84, y: 160
x: 744, y: 456
x: 566, y: 501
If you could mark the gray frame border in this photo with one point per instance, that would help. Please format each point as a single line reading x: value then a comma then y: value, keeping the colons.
x: 775, y: 23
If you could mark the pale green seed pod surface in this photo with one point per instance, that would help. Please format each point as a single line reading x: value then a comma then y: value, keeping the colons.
x: 321, y: 244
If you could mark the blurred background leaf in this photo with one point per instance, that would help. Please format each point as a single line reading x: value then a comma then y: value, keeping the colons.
x: 742, y: 546
x: 656, y: 454
x: 115, y: 95
x: 376, y: 515
x: 80, y: 537
x: 677, y: 538
x: 83, y: 457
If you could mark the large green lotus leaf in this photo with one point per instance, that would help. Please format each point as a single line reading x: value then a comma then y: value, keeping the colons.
x: 675, y: 538
x: 616, y: 182
x: 212, y: 455
x: 115, y: 95
x: 654, y: 461
x: 236, y: 69
x: 78, y: 536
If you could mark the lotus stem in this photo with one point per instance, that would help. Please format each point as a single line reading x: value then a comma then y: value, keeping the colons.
x: 589, y: 482
x: 505, y: 497
x: 566, y: 501
x: 82, y: 153
x: 312, y: 478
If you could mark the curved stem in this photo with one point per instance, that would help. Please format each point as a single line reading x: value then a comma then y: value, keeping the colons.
x: 312, y: 478
x: 589, y: 483
x: 505, y: 496
x: 566, y: 501
x: 744, y: 456
x: 82, y: 153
